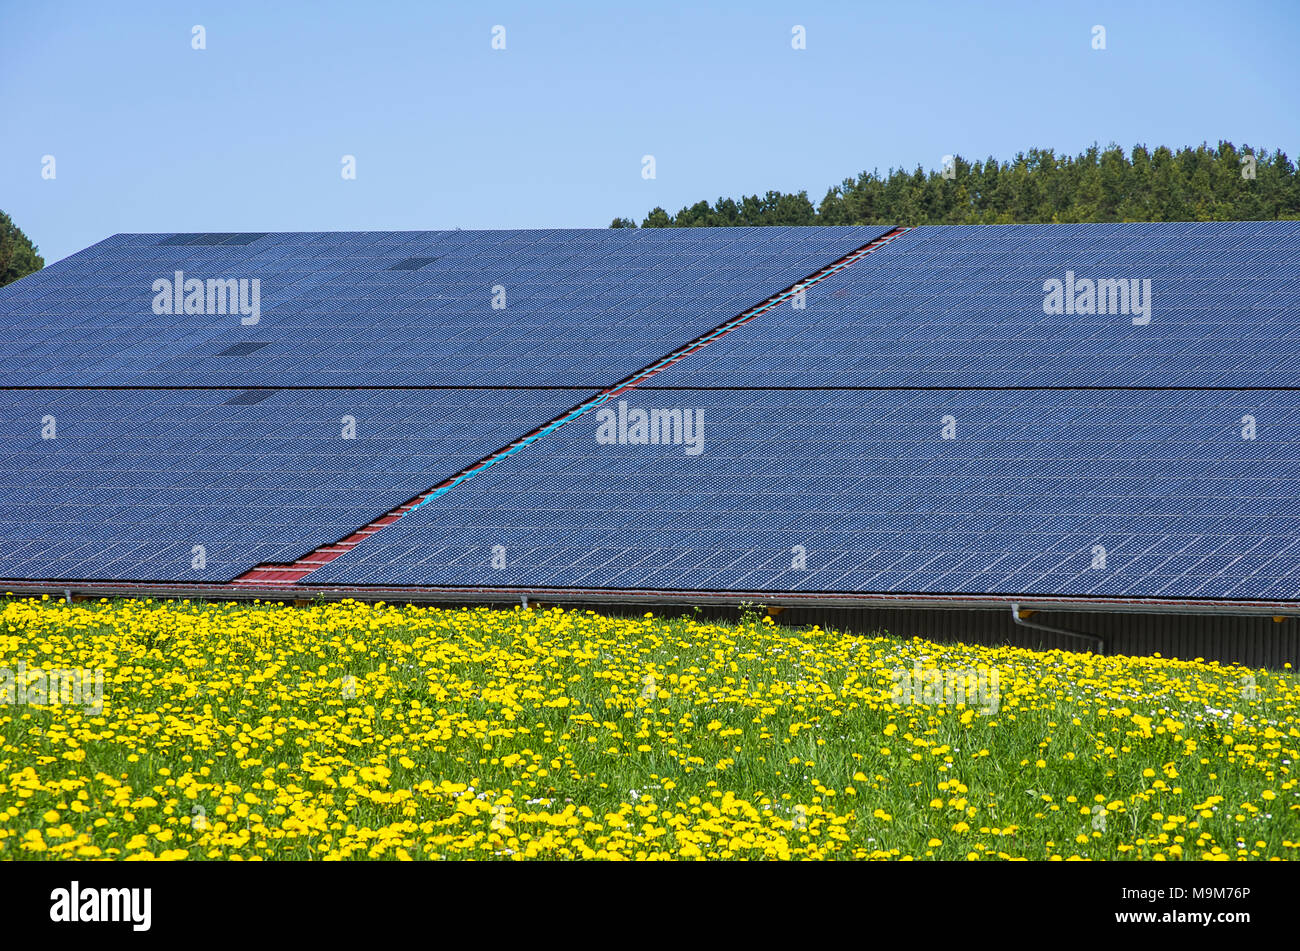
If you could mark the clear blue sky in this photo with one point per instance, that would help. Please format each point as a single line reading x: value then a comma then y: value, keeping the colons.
x: 247, y: 135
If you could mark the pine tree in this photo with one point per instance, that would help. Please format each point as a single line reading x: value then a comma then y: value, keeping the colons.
x: 18, y: 256
x: 1201, y: 183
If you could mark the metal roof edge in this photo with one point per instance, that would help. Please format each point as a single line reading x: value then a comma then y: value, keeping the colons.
x: 597, y: 596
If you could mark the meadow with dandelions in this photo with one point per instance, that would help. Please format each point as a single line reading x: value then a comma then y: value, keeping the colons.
x: 349, y: 730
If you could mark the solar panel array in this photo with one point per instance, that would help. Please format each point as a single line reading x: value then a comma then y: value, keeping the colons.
x: 927, y: 423
x: 1135, y: 493
x: 123, y: 484
x: 485, y: 308
x: 964, y: 306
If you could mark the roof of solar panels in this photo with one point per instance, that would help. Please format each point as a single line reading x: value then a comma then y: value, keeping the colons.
x: 1078, y: 411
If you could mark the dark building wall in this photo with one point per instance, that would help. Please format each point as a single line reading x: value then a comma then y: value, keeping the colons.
x: 1252, y: 641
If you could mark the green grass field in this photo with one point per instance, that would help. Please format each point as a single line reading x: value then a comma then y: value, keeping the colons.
x: 255, y: 731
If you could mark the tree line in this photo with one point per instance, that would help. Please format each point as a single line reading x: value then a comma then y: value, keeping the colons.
x: 1201, y: 183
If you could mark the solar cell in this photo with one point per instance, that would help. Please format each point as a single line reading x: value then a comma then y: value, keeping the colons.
x: 1074, y: 493
x: 412, y: 264
x: 242, y: 349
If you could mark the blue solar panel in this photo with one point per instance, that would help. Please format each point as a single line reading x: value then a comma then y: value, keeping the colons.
x: 133, y: 480
x: 572, y: 308
x: 966, y: 306
x: 1076, y: 493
